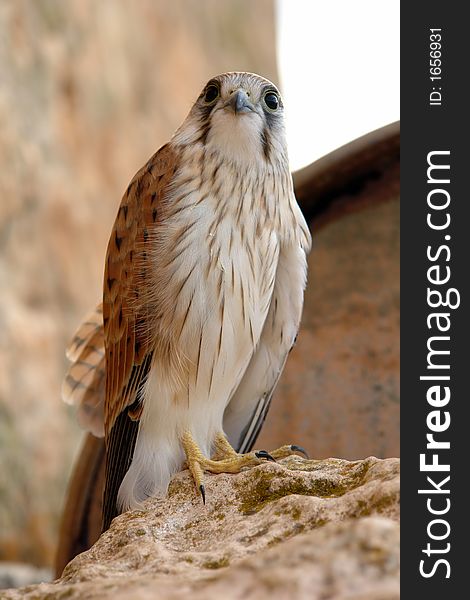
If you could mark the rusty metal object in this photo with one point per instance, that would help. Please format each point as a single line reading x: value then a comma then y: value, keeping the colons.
x: 346, y: 169
x: 329, y: 190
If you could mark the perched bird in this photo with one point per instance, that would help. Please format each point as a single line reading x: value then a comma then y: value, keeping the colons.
x: 203, y: 291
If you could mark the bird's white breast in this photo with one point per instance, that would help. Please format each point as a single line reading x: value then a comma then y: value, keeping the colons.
x: 214, y: 266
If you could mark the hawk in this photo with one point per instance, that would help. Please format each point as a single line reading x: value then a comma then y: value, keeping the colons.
x: 203, y: 290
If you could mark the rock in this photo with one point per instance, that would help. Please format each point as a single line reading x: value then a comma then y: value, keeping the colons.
x: 295, y: 529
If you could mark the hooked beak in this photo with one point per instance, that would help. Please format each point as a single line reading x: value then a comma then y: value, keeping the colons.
x: 239, y: 102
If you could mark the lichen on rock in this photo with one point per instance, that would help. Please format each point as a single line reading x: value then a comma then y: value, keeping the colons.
x: 295, y: 529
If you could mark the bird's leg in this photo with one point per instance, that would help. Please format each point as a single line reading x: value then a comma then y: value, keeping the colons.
x: 230, y: 461
x: 194, y: 458
x: 222, y: 448
x: 225, y: 459
x: 288, y: 450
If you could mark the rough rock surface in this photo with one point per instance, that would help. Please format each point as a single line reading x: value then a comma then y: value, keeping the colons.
x: 296, y: 529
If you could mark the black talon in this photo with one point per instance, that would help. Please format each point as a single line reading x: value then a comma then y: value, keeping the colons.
x: 295, y: 448
x: 264, y: 454
x: 202, y: 489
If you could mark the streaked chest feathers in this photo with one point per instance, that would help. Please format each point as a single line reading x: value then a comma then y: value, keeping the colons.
x: 215, y: 265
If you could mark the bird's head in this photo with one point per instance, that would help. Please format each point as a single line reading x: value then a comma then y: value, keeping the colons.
x: 240, y: 116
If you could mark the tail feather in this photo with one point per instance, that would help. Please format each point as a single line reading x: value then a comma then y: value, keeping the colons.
x: 90, y: 327
x: 84, y: 382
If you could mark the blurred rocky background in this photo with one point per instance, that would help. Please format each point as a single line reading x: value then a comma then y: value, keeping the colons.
x: 88, y: 91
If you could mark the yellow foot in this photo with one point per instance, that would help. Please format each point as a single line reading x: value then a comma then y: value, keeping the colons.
x: 226, y: 459
x: 288, y: 450
x: 222, y: 449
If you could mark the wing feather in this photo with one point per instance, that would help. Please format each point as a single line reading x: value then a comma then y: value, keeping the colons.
x: 126, y: 310
x: 247, y: 410
x: 250, y: 434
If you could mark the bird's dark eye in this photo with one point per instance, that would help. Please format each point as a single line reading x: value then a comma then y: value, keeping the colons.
x: 212, y: 92
x: 272, y: 101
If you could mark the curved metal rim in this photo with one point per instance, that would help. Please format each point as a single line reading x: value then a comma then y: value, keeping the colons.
x: 346, y: 168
